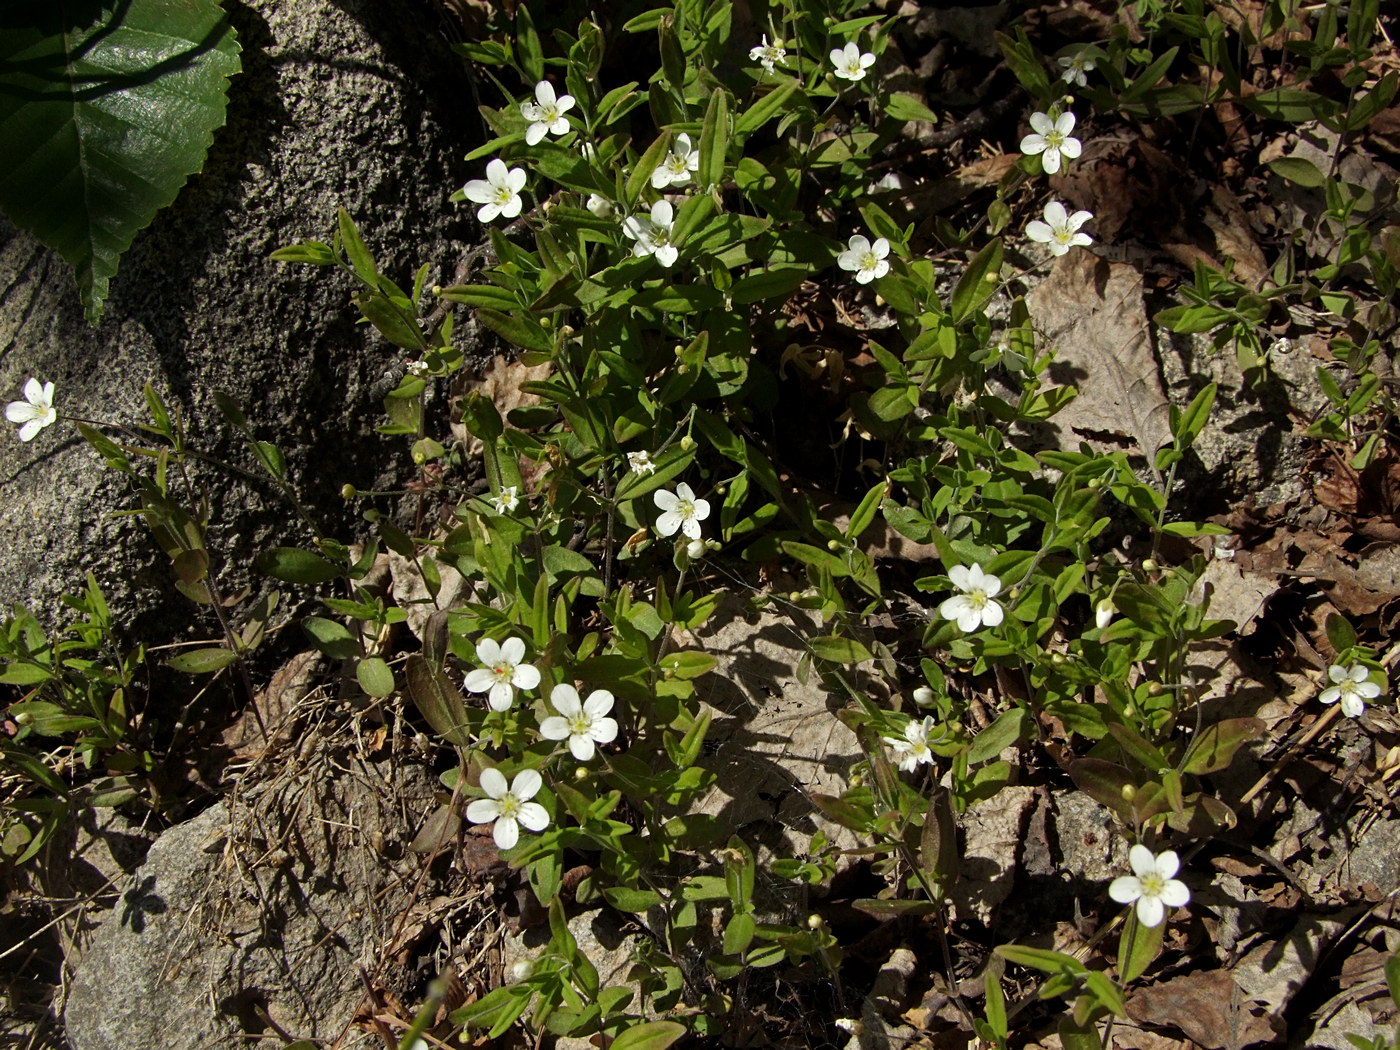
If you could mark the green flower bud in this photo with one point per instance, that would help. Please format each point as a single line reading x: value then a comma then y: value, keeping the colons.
x: 348, y: 492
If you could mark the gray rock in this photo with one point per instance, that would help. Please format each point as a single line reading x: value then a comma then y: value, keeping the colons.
x: 269, y: 905
x: 354, y: 103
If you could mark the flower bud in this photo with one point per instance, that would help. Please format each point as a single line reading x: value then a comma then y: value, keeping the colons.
x: 522, y: 969
x: 1155, y: 689
x: 1058, y: 659
x: 1128, y: 792
x: 687, y: 443
x: 436, y: 289
x: 1150, y: 565
x: 580, y: 773
x: 695, y: 549
x: 1103, y: 613
x: 833, y: 545
x: 24, y: 718
x: 923, y: 696
x: 348, y: 492
x: 815, y: 922
x: 857, y: 780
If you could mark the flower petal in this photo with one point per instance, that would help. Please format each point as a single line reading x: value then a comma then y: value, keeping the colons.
x: 564, y: 697
x: 1050, y: 161
x: 1168, y: 863
x: 493, y: 782
x: 512, y: 650
x: 581, y: 747
x: 534, y: 816
x: 1125, y: 889
x: 599, y: 703
x: 668, y: 523
x: 526, y: 784
x: 702, y: 509
x: 483, y: 810
x: 1041, y: 123
x: 604, y: 730
x: 1033, y: 144
x: 1038, y: 231
x: 555, y: 727
x: 1150, y: 911
x: 534, y: 133
x: 961, y: 576
x: 506, y: 832
x: 992, y: 614
x: 1175, y: 894
x: 488, y: 651
x: 1142, y: 861
x: 500, y: 697
x: 526, y: 676
x: 479, y: 680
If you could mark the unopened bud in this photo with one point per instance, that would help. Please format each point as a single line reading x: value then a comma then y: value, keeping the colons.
x: 923, y: 696
x: 687, y: 443
x: 1150, y: 565
x: 522, y: 969
x: 1128, y: 792
x: 1155, y: 689
x: 348, y: 492
x: 833, y: 545
x: 580, y: 773
x: 857, y: 780
x: 24, y: 718
x: 1058, y: 659
x: 815, y: 922
x: 1103, y: 613
x: 437, y: 289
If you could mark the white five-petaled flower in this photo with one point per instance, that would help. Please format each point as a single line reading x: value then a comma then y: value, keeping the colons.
x: 679, y: 163
x: 1060, y: 230
x: 1051, y: 139
x: 1352, y: 686
x: 506, y: 501
x: 1075, y: 66
x: 974, y: 607
x: 503, y: 674
x: 913, y: 749
x: 509, y: 806
x: 768, y: 55
x: 851, y: 63
x: 680, y: 510
x: 582, y: 722
x: 498, y: 193
x: 35, y: 412
x: 653, y: 235
x: 1151, y: 885
x: 640, y: 463
x: 546, y: 113
x: 868, y: 261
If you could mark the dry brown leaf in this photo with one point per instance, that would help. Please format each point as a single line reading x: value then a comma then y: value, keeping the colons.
x: 1206, y: 1006
x: 1092, y: 315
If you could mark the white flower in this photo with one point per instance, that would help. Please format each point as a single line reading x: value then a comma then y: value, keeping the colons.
x: 1151, y: 885
x: 974, y: 607
x: 498, y: 193
x: 653, y: 235
x: 503, y: 673
x: 850, y: 63
x: 913, y: 749
x: 599, y: 206
x: 868, y: 261
x: 1051, y: 139
x: 680, y: 510
x: 582, y: 723
x: 506, y: 501
x: 924, y: 696
x: 546, y: 112
x: 675, y: 170
x: 641, y: 463
x: 508, y: 807
x: 767, y: 55
x: 35, y: 412
x: 1352, y: 686
x: 1060, y: 230
x: 1075, y: 66
x: 1103, y: 613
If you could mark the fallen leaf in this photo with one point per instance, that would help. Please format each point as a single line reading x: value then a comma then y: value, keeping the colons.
x: 1207, y: 1007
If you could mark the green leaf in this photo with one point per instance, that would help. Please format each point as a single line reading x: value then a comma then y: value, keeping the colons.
x: 374, y: 677
x: 1216, y: 745
x: 816, y: 557
x: 1137, y: 947
x: 438, y: 699
x: 839, y: 650
x: 1041, y: 959
x: 103, y: 122
x: 998, y: 736
x: 766, y: 108
x: 1340, y: 633
x: 624, y: 898
x: 907, y: 107
x: 775, y: 283
x: 971, y: 290
x: 653, y: 1035
x: 518, y: 330
x: 1289, y: 104
x: 293, y: 565
x: 1298, y: 170
x: 714, y: 140
x: 1187, y: 424
x: 203, y: 661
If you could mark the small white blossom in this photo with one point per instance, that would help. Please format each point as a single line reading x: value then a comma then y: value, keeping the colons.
x: 546, y: 113
x: 419, y: 369
x: 974, y: 607
x: 509, y: 807
x: 1075, y: 66
x: 867, y: 261
x: 768, y: 55
x: 680, y: 510
x: 851, y: 63
x: 1051, y: 139
x: 503, y: 674
x: 1104, y: 612
x: 506, y: 501
x: 678, y: 165
x: 653, y: 235
x: 1151, y: 885
x: 1352, y: 686
x: 695, y: 549
x: 641, y: 463
x: 924, y: 696
x: 600, y: 206
x: 582, y: 722
x: 1060, y: 230
x: 35, y: 412
x: 498, y: 193
x: 913, y: 749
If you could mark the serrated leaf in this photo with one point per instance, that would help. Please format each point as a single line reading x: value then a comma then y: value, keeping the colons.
x: 104, y: 122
